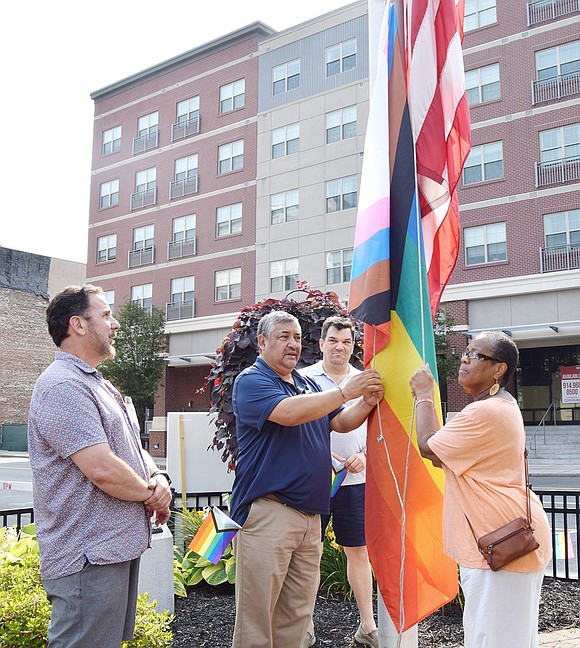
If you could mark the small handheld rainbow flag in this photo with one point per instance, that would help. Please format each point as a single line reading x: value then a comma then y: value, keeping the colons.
x: 339, y: 472
x: 214, y: 535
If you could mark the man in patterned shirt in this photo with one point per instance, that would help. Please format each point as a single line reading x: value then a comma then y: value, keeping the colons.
x: 95, y: 488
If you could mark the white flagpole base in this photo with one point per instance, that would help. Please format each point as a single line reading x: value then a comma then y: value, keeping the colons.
x: 388, y: 634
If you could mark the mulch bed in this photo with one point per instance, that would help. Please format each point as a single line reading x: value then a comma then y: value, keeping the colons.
x: 205, y: 619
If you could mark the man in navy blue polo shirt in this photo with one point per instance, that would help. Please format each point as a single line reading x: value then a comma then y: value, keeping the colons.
x: 282, y: 482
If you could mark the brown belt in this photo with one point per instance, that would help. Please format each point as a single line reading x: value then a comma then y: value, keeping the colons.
x: 273, y: 498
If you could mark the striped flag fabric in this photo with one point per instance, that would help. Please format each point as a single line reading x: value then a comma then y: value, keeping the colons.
x: 214, y: 535
x: 339, y: 473
x: 403, y: 202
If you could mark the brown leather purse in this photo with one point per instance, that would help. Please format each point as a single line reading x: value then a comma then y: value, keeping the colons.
x: 512, y: 540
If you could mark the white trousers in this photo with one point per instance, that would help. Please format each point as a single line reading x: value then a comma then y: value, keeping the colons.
x: 501, y: 608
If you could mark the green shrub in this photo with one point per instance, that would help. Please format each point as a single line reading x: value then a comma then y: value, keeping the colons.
x: 333, y: 572
x: 25, y: 610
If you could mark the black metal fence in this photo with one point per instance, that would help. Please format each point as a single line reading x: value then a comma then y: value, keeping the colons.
x: 562, y: 508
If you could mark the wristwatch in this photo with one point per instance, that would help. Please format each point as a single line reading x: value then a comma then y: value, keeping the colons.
x: 161, y: 472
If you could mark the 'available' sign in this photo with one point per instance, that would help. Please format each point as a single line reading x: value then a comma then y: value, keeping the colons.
x: 570, y: 377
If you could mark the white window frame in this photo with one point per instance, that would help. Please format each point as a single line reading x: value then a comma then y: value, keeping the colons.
x: 182, y: 290
x: 232, y: 96
x: 485, y: 237
x: 562, y: 228
x: 482, y: 84
x: 285, y: 140
x: 479, y: 13
x: 187, y: 109
x: 229, y: 220
x: 109, y: 296
x: 341, y: 194
x: 146, y: 180
x: 341, y: 124
x: 183, y: 228
x: 143, y: 237
x: 284, y: 207
x: 106, y: 248
x: 488, y: 159
x: 111, y: 141
x: 231, y: 157
x: 562, y: 143
x: 148, y: 124
x: 142, y: 295
x: 186, y: 167
x: 283, y: 275
x: 563, y: 62
x: 340, y: 57
x: 228, y: 284
x: 109, y: 194
x: 338, y: 261
x: 286, y: 77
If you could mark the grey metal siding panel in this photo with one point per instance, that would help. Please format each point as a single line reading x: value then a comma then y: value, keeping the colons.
x: 310, y: 51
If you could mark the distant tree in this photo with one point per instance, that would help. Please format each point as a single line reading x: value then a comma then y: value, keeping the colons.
x: 447, y: 361
x: 138, y: 365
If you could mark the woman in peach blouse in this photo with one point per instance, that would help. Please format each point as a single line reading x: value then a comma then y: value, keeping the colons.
x: 481, y: 451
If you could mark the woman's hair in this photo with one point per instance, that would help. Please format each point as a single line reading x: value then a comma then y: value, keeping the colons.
x: 73, y: 300
x: 504, y: 350
x: 271, y: 320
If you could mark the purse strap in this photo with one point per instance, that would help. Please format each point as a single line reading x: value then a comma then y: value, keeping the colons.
x: 528, y: 497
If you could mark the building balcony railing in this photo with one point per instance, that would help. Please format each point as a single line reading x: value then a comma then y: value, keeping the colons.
x: 144, y: 198
x: 563, y: 257
x: 178, y: 249
x: 180, y: 310
x: 141, y: 257
x: 145, y: 142
x: 180, y: 188
x: 544, y: 10
x: 557, y: 172
x: 185, y: 128
x: 563, y: 85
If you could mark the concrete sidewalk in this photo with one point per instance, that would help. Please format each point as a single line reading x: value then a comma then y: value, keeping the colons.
x: 569, y: 638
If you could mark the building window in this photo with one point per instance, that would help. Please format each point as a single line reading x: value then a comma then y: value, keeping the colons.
x: 106, y: 248
x: 562, y: 229
x: 183, y: 237
x: 284, y: 207
x: 560, y: 143
x: 340, y: 124
x: 558, y: 61
x: 143, y: 237
x: 485, y: 244
x: 231, y: 157
x: 186, y: 177
x: 482, y: 84
x: 285, y: 140
x: 110, y: 299
x: 228, y: 284
x: 232, y: 96
x: 109, y: 194
x: 341, y: 194
x: 338, y: 266
x: 182, y: 301
x: 479, y: 13
x: 283, y: 275
x: 112, y: 140
x: 286, y: 77
x: 147, y: 133
x: 143, y: 296
x: 484, y: 162
x: 187, y: 119
x: 229, y: 220
x: 145, y: 189
x: 340, y: 57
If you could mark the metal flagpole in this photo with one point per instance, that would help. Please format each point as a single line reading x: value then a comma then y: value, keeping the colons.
x: 389, y: 636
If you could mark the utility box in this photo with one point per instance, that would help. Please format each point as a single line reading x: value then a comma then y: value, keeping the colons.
x: 156, y: 570
x: 204, y: 471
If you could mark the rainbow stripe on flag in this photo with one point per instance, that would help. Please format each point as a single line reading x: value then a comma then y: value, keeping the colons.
x: 405, y: 247
x: 339, y: 473
x: 214, y: 535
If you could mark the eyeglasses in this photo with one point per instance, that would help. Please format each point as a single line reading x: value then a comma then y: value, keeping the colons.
x: 475, y: 355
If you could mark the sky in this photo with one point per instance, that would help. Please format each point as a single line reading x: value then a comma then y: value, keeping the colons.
x: 54, y: 54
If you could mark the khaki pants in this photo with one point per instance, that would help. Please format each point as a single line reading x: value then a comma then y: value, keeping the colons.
x: 277, y: 575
